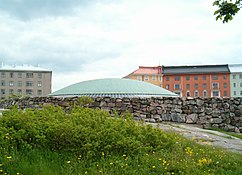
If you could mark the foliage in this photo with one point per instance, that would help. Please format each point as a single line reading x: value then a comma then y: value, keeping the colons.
x: 90, y: 141
x: 227, y: 9
x: 84, y: 100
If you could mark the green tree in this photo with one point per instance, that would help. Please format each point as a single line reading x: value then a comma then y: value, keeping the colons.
x: 227, y: 9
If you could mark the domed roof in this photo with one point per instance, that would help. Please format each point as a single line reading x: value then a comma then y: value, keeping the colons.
x: 113, y: 87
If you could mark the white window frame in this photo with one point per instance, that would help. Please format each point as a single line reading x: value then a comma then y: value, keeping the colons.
x: 179, y: 87
x: 216, y: 92
x: 139, y: 77
x: 39, y: 84
x: 188, y: 94
x: 196, y: 93
x: 205, y: 92
x: 217, y: 85
x: 11, y: 83
x: 153, y: 77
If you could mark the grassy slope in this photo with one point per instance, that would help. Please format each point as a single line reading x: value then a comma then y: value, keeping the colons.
x: 87, y: 141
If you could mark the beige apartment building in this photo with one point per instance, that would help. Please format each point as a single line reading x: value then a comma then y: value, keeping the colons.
x: 24, y: 80
x: 151, y: 75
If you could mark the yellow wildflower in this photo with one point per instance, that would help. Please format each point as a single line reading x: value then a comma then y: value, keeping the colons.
x: 189, y: 151
x: 204, y: 161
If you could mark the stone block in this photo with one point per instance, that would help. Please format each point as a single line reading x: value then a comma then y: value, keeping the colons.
x: 175, y: 117
x: 192, y: 118
x: 229, y: 128
x: 166, y: 117
x: 215, y: 120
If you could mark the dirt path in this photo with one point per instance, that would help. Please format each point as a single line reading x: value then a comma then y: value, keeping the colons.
x: 204, y: 136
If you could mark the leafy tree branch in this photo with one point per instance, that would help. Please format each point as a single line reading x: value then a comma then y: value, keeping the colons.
x: 227, y: 9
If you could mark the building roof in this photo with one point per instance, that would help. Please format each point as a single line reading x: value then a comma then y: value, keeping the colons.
x: 144, y: 70
x: 234, y: 68
x: 113, y: 87
x: 23, y: 67
x: 196, y: 69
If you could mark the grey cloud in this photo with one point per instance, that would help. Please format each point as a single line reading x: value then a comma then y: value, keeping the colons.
x: 60, y: 57
x: 28, y: 9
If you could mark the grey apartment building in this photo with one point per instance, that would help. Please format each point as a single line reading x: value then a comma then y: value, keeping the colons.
x: 24, y: 80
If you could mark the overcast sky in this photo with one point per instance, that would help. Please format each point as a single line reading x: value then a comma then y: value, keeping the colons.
x: 88, y: 39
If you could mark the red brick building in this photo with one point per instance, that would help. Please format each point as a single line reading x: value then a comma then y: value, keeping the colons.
x: 194, y: 81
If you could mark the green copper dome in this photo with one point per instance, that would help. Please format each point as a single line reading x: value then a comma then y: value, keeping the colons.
x: 113, y: 87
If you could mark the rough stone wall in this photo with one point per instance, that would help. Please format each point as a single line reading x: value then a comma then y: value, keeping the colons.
x: 225, y: 113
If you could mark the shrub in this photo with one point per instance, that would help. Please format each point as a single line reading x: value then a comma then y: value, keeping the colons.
x: 85, y: 130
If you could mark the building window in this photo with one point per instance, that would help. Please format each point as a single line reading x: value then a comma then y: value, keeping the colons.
x: 225, y: 85
x: 234, y: 92
x: 225, y: 77
x: 195, y: 77
x: 10, y: 91
x: 29, y: 75
x: 39, y: 84
x: 204, y: 77
x: 19, y: 91
x: 225, y: 94
x: 167, y: 78
x: 29, y: 83
x: 214, y: 77
x: 234, y: 84
x: 215, y: 93
x: 160, y: 78
x: 29, y: 92
x: 153, y: 77
x: 176, y: 86
x: 187, y: 77
x: 240, y: 76
x: 20, y: 83
x: 167, y: 86
x: 196, y: 93
x: 196, y: 86
x: 11, y: 83
x: 234, y: 76
x: 3, y: 75
x: 215, y: 86
x: 20, y: 75
x: 2, y: 91
x: 187, y: 86
x: 2, y: 83
x: 188, y: 94
x: 139, y: 77
x: 204, y: 86
x: 240, y: 84
x: 11, y: 74
x: 177, y: 78
x: 204, y: 93
x: 39, y: 92
x: 39, y: 75
x: 146, y: 77
x: 240, y: 92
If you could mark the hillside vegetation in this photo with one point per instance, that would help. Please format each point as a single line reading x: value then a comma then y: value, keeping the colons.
x: 90, y: 141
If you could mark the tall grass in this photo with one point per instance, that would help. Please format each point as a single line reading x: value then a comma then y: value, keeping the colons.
x: 88, y: 141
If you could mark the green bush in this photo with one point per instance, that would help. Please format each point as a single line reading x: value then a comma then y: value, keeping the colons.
x: 82, y: 130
